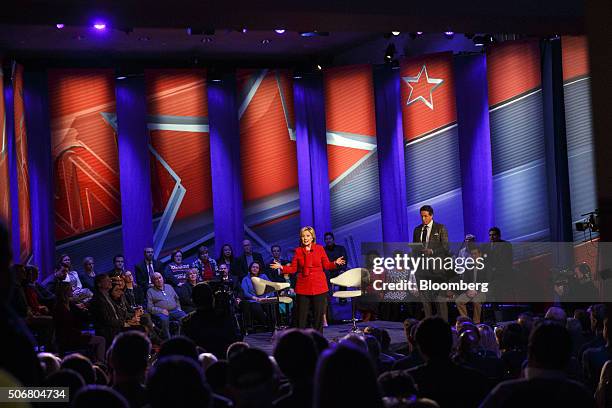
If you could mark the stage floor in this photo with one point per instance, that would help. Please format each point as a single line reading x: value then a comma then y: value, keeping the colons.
x: 263, y: 341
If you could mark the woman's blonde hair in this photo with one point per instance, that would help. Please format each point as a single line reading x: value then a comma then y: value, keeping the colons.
x: 312, y: 232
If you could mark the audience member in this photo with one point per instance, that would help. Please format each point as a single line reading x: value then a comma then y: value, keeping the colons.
x: 50, y: 363
x: 252, y: 379
x: 133, y: 293
x: 469, y: 354
x: 550, y: 349
x: 593, y: 359
x: 206, y: 360
x: 184, y: 291
x: 236, y: 348
x: 79, y: 292
x: 43, y: 295
x: 359, y: 381
x: 447, y: 383
x: 68, y: 378
x: 176, y: 271
x: 245, y: 260
x: 178, y: 346
x: 163, y: 304
x: 98, y: 396
x: 226, y: 257
x: 205, y: 266
x: 319, y: 339
x: 296, y: 355
x: 597, y: 314
x: 381, y: 361
x: 251, y: 302
x: 81, y: 365
x: 128, y: 359
x: 129, y: 316
x: 217, y: 377
x: 214, y: 330
x: 397, y: 385
x: 574, y: 327
x: 144, y: 271
x: 473, y: 275
x: 603, y: 395
x: 106, y: 319
x: 556, y: 315
x: 88, y: 274
x: 277, y: 275
x: 413, y: 357
x: 68, y: 321
x: 181, y: 374
x: 488, y: 342
x: 118, y: 267
x: 513, y: 350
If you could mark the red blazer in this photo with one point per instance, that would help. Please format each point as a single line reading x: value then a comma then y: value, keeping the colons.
x: 309, y: 267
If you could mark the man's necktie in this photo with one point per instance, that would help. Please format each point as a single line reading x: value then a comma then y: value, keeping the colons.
x: 424, y: 235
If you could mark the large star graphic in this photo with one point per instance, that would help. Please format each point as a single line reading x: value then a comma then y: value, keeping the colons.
x: 422, y: 88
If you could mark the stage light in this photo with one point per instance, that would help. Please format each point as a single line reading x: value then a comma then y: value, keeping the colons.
x: 314, y: 33
x: 59, y: 26
x: 99, y: 25
x: 280, y: 31
x: 395, y: 33
x: 244, y: 30
x: 449, y: 34
x: 419, y: 33
x: 319, y: 67
x: 483, y: 40
x: 265, y: 41
x: 120, y: 77
x: 207, y: 40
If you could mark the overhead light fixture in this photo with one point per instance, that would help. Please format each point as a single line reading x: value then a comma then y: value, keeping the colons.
x: 419, y: 33
x: 314, y: 33
x: 319, y: 67
x: 244, y: 30
x: 449, y: 34
x: 120, y: 77
x: 59, y: 26
x: 265, y: 41
x: 395, y: 33
x: 280, y: 31
x: 99, y: 25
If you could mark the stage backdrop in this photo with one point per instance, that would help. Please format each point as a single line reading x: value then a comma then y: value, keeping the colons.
x: 180, y: 160
x: 268, y: 159
x: 579, y: 129
x: 352, y: 159
x: 517, y: 141
x: 23, y: 180
x: 85, y: 164
x: 433, y: 172
x: 4, y: 172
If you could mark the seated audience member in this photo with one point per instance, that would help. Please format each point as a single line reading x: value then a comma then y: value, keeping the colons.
x: 51, y: 282
x: 385, y: 345
x: 513, y: 350
x: 182, y: 375
x: 414, y: 357
x: 252, y: 379
x: 65, y: 378
x: 277, y: 275
x: 98, y: 396
x: 382, y: 362
x: 107, y: 320
x: 250, y: 304
x: 185, y: 289
x: 211, y: 329
x: 205, y: 265
x: 128, y: 359
x: 38, y: 298
x: 445, y: 382
x: 332, y: 375
x: 206, y: 360
x: 81, y: 365
x: 574, y: 327
x: 88, y: 274
x: 488, y: 342
x: 397, y: 386
x: 176, y: 271
x: 382, y: 336
x: 245, y: 260
x: 179, y: 346
x: 133, y: 294
x: 525, y: 320
x: 550, y: 349
x: 603, y: 395
x: 319, y: 339
x: 597, y: 314
x: 163, y: 304
x: 118, y: 267
x: 227, y: 258
x: 79, y: 292
x: 408, y: 326
x: 67, y: 319
x: 469, y: 354
x: 236, y: 348
x: 556, y: 315
x: 296, y: 355
x: 593, y: 359
x: 217, y: 377
x: 101, y: 375
x: 50, y: 363
x: 585, y: 322
x: 473, y: 275
x: 128, y: 315
x: 144, y: 271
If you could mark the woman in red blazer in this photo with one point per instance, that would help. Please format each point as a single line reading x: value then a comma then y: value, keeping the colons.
x: 311, y: 285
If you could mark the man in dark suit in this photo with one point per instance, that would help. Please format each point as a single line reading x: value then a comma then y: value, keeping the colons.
x: 277, y: 275
x: 247, y: 257
x: 433, y: 238
x: 145, y: 270
x: 499, y: 255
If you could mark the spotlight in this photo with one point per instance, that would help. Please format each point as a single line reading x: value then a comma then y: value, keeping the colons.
x: 59, y: 26
x: 265, y: 41
x: 99, y: 25
x: 419, y: 33
x: 319, y: 67
x: 280, y: 31
x: 449, y: 34
x: 314, y: 33
x: 244, y: 30
x: 395, y: 33
x: 120, y: 77
x: 390, y: 53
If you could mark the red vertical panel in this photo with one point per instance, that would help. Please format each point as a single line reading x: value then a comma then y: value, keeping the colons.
x: 575, y: 56
x: 4, y: 174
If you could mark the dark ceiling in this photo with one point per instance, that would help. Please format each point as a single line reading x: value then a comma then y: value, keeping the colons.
x: 157, y: 29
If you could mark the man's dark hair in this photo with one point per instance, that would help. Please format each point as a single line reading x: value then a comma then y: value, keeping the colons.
x: 275, y: 246
x: 598, y: 315
x: 98, y: 396
x: 217, y: 375
x: 129, y: 353
x: 385, y: 340
x: 434, y: 338
x: 176, y: 251
x: 81, y: 365
x: 181, y: 375
x: 99, y: 278
x: 179, y: 346
x: 495, y: 230
x: 472, y: 246
x: 328, y: 234
x: 550, y: 347
x: 427, y: 208
x: 397, y: 383
x: 513, y: 337
x: 202, y: 249
x: 117, y: 256
x: 296, y: 355
x: 249, y: 369
x: 320, y: 341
